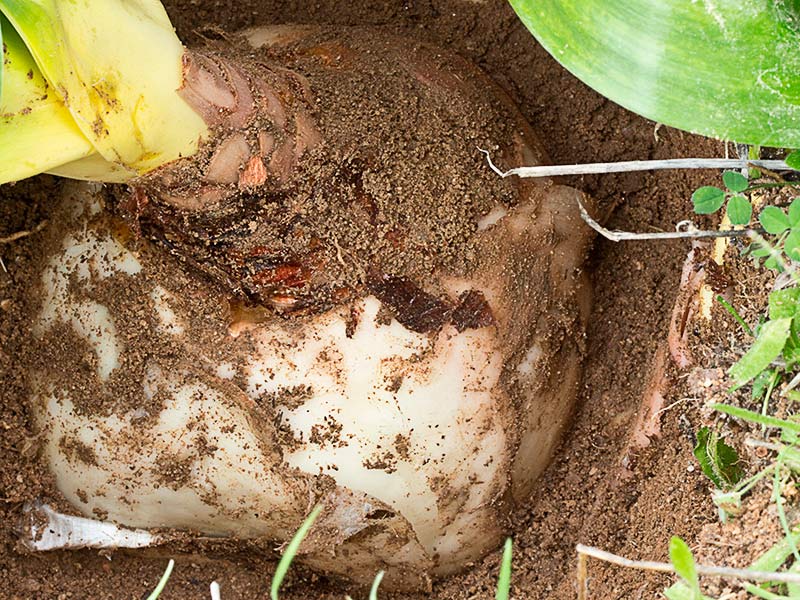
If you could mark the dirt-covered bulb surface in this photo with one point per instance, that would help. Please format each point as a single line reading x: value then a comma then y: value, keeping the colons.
x: 334, y: 303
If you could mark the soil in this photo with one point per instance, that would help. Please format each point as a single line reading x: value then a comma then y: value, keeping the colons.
x: 596, y: 492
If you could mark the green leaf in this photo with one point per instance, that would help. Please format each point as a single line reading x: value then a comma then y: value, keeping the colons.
x: 762, y: 383
x: 708, y: 200
x: 758, y: 251
x: 793, y: 588
x: 788, y: 436
x: 791, y: 246
x: 774, y: 220
x: 794, y: 212
x: 735, y: 181
x: 718, y: 461
x: 768, y: 346
x: 504, y: 579
x: 791, y: 456
x: 661, y: 59
x: 702, y: 455
x: 773, y: 264
x: 679, y: 591
x: 757, y: 418
x: 683, y: 561
x: 162, y: 583
x: 740, y: 211
x: 784, y: 303
x: 772, y: 559
x: 291, y: 551
x: 793, y: 160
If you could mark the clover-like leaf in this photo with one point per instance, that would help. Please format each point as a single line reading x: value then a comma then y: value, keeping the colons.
x: 740, y: 211
x: 794, y: 212
x: 774, y: 220
x: 735, y: 181
x: 793, y: 160
x: 792, y: 245
x: 708, y: 199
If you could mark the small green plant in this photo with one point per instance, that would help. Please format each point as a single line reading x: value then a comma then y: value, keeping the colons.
x: 709, y: 199
x: 162, y: 583
x: 718, y: 461
x: 782, y: 225
x: 683, y: 560
x: 772, y: 358
x: 776, y: 348
x: 504, y: 579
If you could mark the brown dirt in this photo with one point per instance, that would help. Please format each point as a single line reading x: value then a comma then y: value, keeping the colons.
x: 583, y: 497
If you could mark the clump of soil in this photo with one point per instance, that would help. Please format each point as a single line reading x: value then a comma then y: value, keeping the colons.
x: 583, y: 497
x: 375, y: 172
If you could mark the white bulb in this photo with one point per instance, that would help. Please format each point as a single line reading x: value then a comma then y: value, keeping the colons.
x: 415, y: 444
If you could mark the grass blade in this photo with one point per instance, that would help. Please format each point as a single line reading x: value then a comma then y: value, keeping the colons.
x: 373, y: 592
x: 754, y: 417
x: 504, y: 579
x: 773, y: 558
x: 162, y: 583
x: 291, y: 551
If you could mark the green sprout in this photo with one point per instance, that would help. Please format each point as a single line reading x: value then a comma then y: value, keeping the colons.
x: 162, y: 583
x: 291, y: 551
x: 682, y: 559
x: 504, y: 579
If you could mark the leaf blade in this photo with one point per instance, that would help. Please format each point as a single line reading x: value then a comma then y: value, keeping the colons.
x: 774, y: 220
x: 291, y: 550
x: 683, y: 561
x: 504, y: 578
x: 708, y: 199
x: 740, y: 211
x: 655, y: 58
x: 735, y: 181
x: 767, y: 347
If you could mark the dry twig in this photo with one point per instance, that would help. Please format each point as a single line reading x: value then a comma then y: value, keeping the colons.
x: 635, y: 165
x: 662, y: 567
x: 685, y: 230
x: 21, y: 234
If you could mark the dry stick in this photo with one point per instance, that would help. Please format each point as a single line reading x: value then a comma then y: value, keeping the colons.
x: 635, y: 165
x: 661, y: 567
x: 688, y: 232
x: 21, y: 234
x: 583, y: 578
